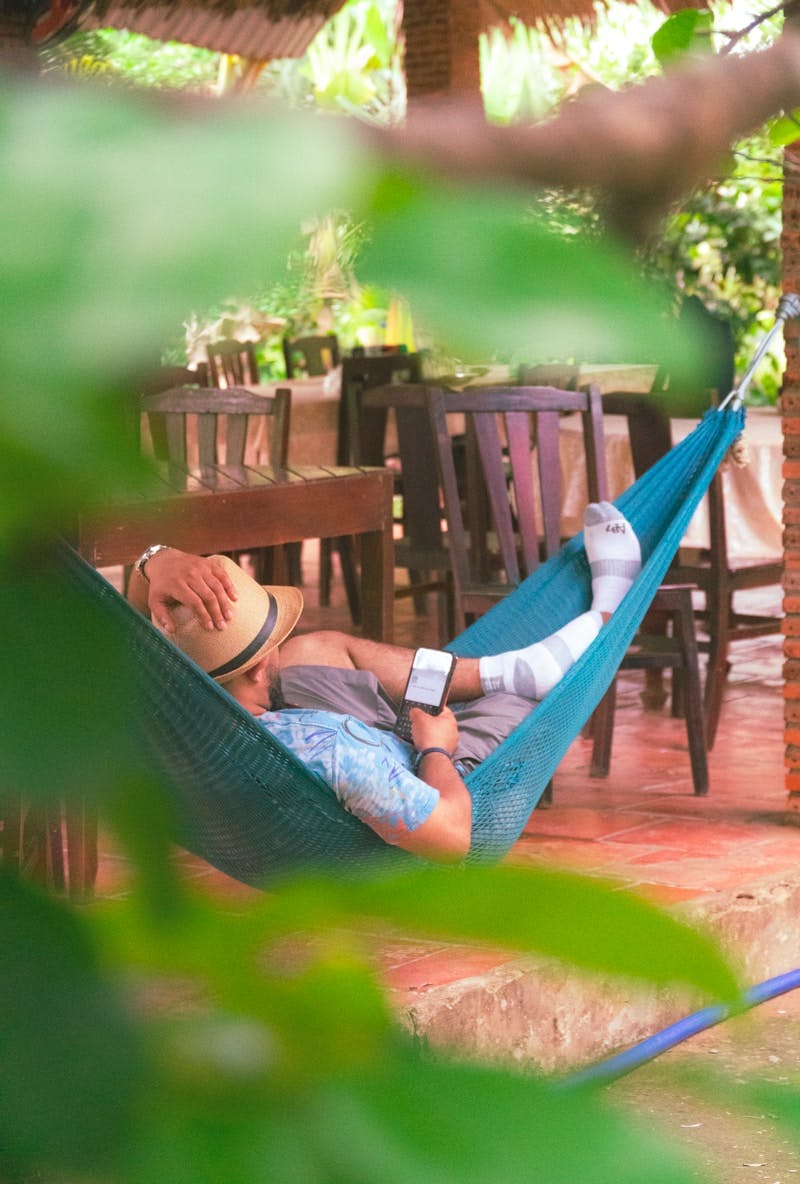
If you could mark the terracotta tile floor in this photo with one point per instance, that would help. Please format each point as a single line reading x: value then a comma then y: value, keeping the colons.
x: 642, y: 825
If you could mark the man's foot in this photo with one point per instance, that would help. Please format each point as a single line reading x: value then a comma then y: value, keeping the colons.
x: 614, y: 554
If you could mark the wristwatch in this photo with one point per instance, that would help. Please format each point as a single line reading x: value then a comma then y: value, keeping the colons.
x: 139, y: 565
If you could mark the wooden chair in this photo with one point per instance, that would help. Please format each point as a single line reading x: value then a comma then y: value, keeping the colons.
x: 654, y: 649
x: 361, y: 436
x: 221, y: 418
x: 504, y: 518
x: 711, y: 570
x: 310, y: 356
x: 422, y: 548
x: 232, y: 363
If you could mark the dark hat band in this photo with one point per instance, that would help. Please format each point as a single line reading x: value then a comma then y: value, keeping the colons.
x: 263, y: 635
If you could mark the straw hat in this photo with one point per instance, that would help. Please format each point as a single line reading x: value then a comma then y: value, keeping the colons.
x: 263, y: 616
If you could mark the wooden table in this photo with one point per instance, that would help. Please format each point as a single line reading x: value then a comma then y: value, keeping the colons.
x: 245, y: 507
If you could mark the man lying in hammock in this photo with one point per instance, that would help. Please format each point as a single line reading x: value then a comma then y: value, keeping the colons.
x: 332, y: 698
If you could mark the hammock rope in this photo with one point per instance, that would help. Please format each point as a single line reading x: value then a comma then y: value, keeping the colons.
x: 249, y: 807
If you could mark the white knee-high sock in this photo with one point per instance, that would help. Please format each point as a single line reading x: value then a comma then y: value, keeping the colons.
x: 615, y: 559
x: 532, y: 672
x: 614, y: 554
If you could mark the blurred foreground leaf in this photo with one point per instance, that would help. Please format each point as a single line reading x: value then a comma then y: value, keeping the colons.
x: 435, y: 1124
x: 493, y: 278
x: 66, y: 699
x: 585, y: 921
x: 407, y: 1121
x: 306, y: 1079
x: 71, y: 1063
x: 582, y: 920
x: 120, y: 215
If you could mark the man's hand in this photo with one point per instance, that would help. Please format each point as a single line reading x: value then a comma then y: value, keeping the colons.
x: 433, y: 731
x: 176, y: 577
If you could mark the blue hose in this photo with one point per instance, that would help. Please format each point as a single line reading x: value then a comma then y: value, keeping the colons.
x: 646, y: 1050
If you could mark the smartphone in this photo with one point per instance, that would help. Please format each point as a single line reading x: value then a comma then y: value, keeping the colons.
x: 427, y: 686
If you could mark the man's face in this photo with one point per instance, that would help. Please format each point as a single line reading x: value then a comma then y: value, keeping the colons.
x: 276, y: 700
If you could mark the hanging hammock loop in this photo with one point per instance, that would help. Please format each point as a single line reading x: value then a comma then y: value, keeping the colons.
x: 788, y: 307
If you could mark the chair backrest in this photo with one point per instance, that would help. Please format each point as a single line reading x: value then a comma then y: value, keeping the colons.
x: 232, y: 363
x: 648, y: 426
x: 220, y: 417
x: 362, y: 431
x: 422, y: 518
x: 504, y: 514
x: 310, y: 356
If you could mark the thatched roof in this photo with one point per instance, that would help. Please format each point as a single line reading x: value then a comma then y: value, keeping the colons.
x: 262, y: 29
x: 256, y: 29
x: 533, y: 12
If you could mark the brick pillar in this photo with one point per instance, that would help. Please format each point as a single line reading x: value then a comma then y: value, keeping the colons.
x: 790, y: 411
x: 441, y: 47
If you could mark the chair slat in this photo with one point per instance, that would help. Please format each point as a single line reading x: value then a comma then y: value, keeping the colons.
x: 232, y: 363
x: 518, y: 436
x: 548, y: 460
x: 490, y: 450
x: 175, y: 427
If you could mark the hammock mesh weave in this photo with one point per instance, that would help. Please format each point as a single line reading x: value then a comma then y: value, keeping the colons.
x: 250, y: 808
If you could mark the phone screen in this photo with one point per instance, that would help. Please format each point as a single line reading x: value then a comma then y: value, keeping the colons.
x: 427, y: 686
x: 429, y: 677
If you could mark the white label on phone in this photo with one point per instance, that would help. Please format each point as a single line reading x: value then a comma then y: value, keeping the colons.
x: 428, y: 673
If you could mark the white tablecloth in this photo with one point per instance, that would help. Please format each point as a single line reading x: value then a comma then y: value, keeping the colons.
x: 753, y: 500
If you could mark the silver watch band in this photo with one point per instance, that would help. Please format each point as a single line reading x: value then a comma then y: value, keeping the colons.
x: 139, y: 565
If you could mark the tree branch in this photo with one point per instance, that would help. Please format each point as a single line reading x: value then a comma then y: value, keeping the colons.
x: 643, y: 147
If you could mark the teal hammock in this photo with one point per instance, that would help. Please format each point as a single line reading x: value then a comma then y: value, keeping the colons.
x: 247, y: 805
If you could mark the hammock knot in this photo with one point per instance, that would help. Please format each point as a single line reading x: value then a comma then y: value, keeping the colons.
x: 738, y: 453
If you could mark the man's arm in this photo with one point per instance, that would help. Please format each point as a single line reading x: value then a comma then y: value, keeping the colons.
x: 389, y: 663
x: 446, y: 833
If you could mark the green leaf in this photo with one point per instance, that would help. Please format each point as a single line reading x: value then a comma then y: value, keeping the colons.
x: 103, y: 260
x: 686, y: 31
x: 490, y: 278
x: 66, y: 700
x: 410, y: 1121
x: 378, y: 36
x: 314, y: 1000
x: 785, y: 130
x: 71, y: 1064
x: 427, y: 1123
x: 585, y: 921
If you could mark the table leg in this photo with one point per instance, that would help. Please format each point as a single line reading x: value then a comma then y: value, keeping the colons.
x: 377, y: 584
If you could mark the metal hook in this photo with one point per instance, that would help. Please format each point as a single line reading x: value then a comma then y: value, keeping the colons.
x: 788, y: 306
